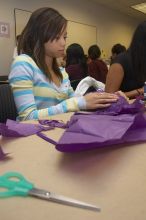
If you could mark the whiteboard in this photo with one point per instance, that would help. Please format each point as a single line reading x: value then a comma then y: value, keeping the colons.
x: 21, y: 19
x: 83, y: 34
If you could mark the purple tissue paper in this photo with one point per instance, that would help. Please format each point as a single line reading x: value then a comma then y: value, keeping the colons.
x: 18, y: 129
x: 53, y: 123
x: 121, y: 123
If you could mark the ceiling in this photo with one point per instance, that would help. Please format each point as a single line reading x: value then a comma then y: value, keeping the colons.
x: 124, y: 7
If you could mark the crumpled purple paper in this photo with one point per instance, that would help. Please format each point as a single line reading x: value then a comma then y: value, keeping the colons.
x: 3, y: 155
x: 53, y: 123
x: 123, y: 107
x: 18, y: 129
x: 114, y: 125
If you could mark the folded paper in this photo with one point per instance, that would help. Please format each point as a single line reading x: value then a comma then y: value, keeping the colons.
x: 17, y: 129
x: 121, y: 123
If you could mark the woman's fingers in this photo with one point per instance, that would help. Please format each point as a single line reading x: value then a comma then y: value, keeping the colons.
x: 105, y: 100
x: 107, y: 96
x: 100, y: 100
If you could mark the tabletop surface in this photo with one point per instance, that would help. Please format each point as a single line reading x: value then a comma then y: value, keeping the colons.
x: 113, y: 178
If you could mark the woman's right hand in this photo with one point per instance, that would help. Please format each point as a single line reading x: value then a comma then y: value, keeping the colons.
x: 100, y: 100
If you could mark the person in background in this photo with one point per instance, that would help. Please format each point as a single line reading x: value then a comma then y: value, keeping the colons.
x: 15, y: 53
x: 40, y: 89
x: 128, y: 71
x: 76, y: 62
x: 117, y: 49
x: 97, y: 68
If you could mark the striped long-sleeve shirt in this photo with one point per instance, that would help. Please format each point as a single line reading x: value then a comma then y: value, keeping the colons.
x: 35, y: 96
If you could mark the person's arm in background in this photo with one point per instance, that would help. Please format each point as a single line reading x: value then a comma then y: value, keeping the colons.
x: 114, y: 78
x: 134, y: 93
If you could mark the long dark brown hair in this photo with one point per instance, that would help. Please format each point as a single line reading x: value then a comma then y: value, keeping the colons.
x: 45, y: 24
x: 137, y: 50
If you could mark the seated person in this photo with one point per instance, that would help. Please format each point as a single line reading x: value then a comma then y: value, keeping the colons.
x: 128, y: 71
x: 76, y: 62
x: 97, y: 68
x: 40, y: 88
x: 117, y: 49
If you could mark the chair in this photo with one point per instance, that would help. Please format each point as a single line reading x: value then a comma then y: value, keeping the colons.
x: 7, y: 104
x: 4, y: 79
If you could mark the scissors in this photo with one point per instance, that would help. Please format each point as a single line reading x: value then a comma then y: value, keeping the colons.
x: 16, y: 185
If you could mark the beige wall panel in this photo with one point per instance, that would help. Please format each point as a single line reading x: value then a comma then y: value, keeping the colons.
x: 85, y: 35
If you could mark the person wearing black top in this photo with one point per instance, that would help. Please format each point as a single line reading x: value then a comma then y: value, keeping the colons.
x: 116, y: 49
x: 128, y: 71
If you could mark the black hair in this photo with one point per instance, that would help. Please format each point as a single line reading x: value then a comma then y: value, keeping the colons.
x: 75, y: 55
x: 94, y: 52
x: 137, y: 49
x: 118, y: 48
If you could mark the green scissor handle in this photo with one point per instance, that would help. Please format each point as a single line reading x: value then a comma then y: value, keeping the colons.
x: 15, y: 184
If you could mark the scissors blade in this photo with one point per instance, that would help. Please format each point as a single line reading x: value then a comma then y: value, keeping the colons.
x: 43, y: 194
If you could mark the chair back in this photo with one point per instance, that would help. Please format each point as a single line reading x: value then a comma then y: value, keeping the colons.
x: 7, y: 104
x: 4, y: 79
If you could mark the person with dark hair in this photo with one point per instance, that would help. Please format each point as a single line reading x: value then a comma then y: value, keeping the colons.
x: 97, y: 68
x: 117, y: 49
x: 39, y: 86
x: 76, y: 62
x: 128, y: 71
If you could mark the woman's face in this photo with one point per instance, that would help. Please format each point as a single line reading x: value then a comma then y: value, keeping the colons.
x: 56, y: 48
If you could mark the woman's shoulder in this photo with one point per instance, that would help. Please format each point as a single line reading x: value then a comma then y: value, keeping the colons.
x: 122, y: 56
x: 24, y: 58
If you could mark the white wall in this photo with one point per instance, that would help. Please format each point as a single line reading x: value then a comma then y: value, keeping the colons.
x: 112, y: 26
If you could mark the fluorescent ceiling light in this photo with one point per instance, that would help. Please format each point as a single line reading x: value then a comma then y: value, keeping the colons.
x: 140, y: 7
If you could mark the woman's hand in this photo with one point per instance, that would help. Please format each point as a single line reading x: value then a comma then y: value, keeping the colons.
x: 100, y: 100
x: 120, y: 93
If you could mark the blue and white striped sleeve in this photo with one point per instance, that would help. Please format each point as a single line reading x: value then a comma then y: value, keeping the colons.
x: 21, y: 80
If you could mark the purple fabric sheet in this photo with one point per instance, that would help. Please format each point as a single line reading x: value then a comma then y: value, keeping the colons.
x: 17, y: 129
x: 120, y: 123
x: 53, y: 123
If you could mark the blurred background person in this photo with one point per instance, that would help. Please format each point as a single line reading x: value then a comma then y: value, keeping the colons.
x: 128, y: 71
x: 76, y: 62
x: 117, y: 49
x: 97, y: 68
